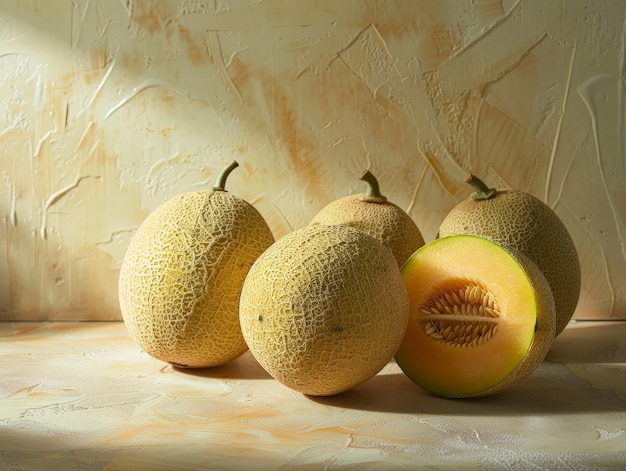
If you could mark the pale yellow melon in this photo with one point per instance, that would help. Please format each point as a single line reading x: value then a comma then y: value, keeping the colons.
x: 324, y: 309
x: 481, y: 318
x: 182, y: 275
x: 521, y: 221
x: 373, y: 213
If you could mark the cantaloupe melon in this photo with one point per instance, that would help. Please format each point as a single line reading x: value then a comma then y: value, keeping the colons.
x: 182, y: 274
x: 373, y: 213
x: 481, y: 317
x: 525, y: 223
x: 324, y: 309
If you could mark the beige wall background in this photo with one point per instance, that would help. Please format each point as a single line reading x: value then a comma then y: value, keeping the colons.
x: 111, y: 107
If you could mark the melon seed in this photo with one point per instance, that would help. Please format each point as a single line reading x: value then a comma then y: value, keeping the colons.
x: 465, y: 316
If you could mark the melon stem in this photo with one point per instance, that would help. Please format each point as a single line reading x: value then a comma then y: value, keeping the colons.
x: 220, y: 183
x: 373, y: 194
x: 482, y: 191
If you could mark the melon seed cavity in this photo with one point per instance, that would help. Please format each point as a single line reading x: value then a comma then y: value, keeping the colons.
x: 463, y: 316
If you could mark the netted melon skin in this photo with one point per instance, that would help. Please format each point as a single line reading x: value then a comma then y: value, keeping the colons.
x: 521, y: 221
x: 324, y: 309
x: 384, y: 221
x: 181, y: 277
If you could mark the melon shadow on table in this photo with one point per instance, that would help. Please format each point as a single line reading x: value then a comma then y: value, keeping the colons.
x: 244, y: 367
x: 591, y: 342
x: 550, y: 390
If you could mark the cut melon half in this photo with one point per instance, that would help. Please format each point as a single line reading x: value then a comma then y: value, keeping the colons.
x: 482, y: 317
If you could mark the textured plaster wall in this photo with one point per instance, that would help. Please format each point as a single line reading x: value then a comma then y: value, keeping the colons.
x: 111, y: 107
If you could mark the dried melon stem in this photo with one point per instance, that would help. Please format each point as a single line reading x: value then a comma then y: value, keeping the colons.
x: 373, y: 194
x: 220, y: 183
x: 482, y: 191
x: 462, y: 315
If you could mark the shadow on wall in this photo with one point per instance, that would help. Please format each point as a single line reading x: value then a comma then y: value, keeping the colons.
x: 115, y: 107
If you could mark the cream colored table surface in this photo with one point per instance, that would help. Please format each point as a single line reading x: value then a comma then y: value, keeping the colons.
x: 83, y: 396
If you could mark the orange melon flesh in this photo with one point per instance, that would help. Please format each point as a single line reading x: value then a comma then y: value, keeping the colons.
x: 458, y: 369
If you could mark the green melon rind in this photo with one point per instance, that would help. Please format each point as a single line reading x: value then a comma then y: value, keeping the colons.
x: 545, y: 327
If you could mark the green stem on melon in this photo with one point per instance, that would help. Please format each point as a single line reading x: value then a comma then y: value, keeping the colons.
x: 220, y: 184
x: 373, y: 194
x: 482, y: 191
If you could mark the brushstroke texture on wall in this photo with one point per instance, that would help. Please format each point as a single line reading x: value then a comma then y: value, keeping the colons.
x: 112, y: 107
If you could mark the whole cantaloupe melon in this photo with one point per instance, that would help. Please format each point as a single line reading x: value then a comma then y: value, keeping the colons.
x: 182, y: 274
x: 373, y: 213
x: 523, y: 222
x: 481, y: 318
x: 324, y: 309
